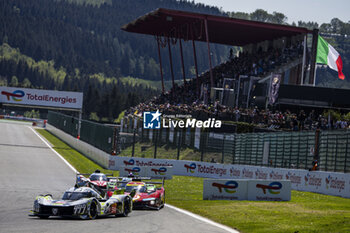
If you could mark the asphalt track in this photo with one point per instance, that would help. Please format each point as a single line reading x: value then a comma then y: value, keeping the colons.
x: 28, y: 167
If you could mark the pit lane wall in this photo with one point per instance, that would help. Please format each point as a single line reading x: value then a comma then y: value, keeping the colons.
x: 329, y: 183
x: 96, y: 155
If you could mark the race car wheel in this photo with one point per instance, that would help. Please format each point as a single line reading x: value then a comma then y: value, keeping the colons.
x: 92, y: 213
x: 126, y: 207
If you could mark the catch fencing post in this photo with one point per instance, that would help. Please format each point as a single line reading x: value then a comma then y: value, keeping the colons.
x: 223, y: 149
x: 133, y: 144
x: 155, y: 144
x: 179, y: 134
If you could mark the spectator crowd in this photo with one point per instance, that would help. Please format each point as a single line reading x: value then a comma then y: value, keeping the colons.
x: 192, y: 98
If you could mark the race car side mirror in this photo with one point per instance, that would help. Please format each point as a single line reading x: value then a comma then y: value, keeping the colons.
x: 132, y: 193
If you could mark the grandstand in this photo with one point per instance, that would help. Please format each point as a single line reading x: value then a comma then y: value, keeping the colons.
x: 237, y: 92
x: 267, y: 49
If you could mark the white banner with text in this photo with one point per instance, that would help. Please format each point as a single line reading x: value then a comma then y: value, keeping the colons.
x: 330, y: 183
x: 36, y: 97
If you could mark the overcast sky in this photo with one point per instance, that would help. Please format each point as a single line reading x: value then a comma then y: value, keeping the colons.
x: 320, y: 11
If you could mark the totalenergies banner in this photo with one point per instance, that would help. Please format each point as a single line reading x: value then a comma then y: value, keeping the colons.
x: 330, y: 183
x: 247, y: 189
x: 35, y: 97
x: 154, y: 172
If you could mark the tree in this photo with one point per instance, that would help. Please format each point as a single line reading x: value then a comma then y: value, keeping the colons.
x: 14, y: 81
x: 26, y: 83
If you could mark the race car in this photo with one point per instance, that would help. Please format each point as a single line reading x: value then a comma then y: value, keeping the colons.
x: 101, y: 181
x: 148, y: 195
x: 97, y: 178
x: 84, y: 203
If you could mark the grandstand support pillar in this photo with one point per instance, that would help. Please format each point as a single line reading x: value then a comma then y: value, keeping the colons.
x: 79, y: 124
x: 304, y: 61
x: 182, y: 61
x: 171, y: 63
x: 160, y: 66
x: 313, y: 57
x: 195, y: 65
x: 210, y: 64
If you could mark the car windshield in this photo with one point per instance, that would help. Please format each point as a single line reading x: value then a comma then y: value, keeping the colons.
x: 138, y: 188
x: 73, y: 196
x: 98, y: 177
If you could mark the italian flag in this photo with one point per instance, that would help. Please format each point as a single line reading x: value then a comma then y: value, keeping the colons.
x: 327, y: 55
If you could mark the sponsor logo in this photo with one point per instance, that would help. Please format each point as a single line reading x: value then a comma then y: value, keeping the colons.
x: 130, y: 162
x: 135, y: 170
x: 271, y: 187
x: 54, y: 211
x: 191, y: 167
x: 247, y: 174
x: 111, y: 163
x: 235, y: 172
x: 161, y: 171
x: 229, y: 186
x: 276, y: 176
x: 260, y: 175
x: 151, y: 120
x: 334, y: 183
x: 293, y: 178
x: 16, y: 95
x: 312, y: 180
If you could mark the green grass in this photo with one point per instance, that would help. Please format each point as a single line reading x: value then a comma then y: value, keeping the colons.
x: 306, y: 212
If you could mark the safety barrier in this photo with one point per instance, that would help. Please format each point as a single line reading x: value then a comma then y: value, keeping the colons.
x: 93, y: 153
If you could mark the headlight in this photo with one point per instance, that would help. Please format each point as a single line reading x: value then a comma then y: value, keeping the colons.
x: 152, y: 202
x: 36, y: 207
x: 79, y: 209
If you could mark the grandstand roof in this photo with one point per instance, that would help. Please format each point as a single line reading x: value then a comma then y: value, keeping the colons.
x: 222, y: 30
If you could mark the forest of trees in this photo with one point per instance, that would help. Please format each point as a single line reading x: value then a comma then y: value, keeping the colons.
x: 77, y: 45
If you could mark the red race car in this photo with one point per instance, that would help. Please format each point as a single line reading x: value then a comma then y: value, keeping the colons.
x: 148, y: 195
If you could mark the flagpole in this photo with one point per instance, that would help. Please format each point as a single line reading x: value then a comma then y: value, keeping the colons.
x: 315, y: 74
x: 303, y: 64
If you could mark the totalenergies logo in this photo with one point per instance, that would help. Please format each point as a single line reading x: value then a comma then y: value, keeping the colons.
x: 271, y: 187
x: 130, y: 162
x: 229, y: 186
x: 191, y: 167
x: 135, y: 170
x: 161, y: 171
x: 16, y: 95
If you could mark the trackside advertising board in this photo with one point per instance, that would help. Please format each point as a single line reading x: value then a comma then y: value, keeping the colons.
x: 225, y: 189
x: 155, y: 172
x: 253, y: 190
x: 35, y: 97
x: 269, y: 190
x: 330, y: 183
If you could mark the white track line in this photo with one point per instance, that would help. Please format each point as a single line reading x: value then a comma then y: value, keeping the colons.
x: 228, y: 229
x: 48, y: 145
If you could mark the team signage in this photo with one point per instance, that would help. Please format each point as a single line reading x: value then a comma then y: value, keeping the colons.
x: 36, y: 97
x: 225, y: 189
